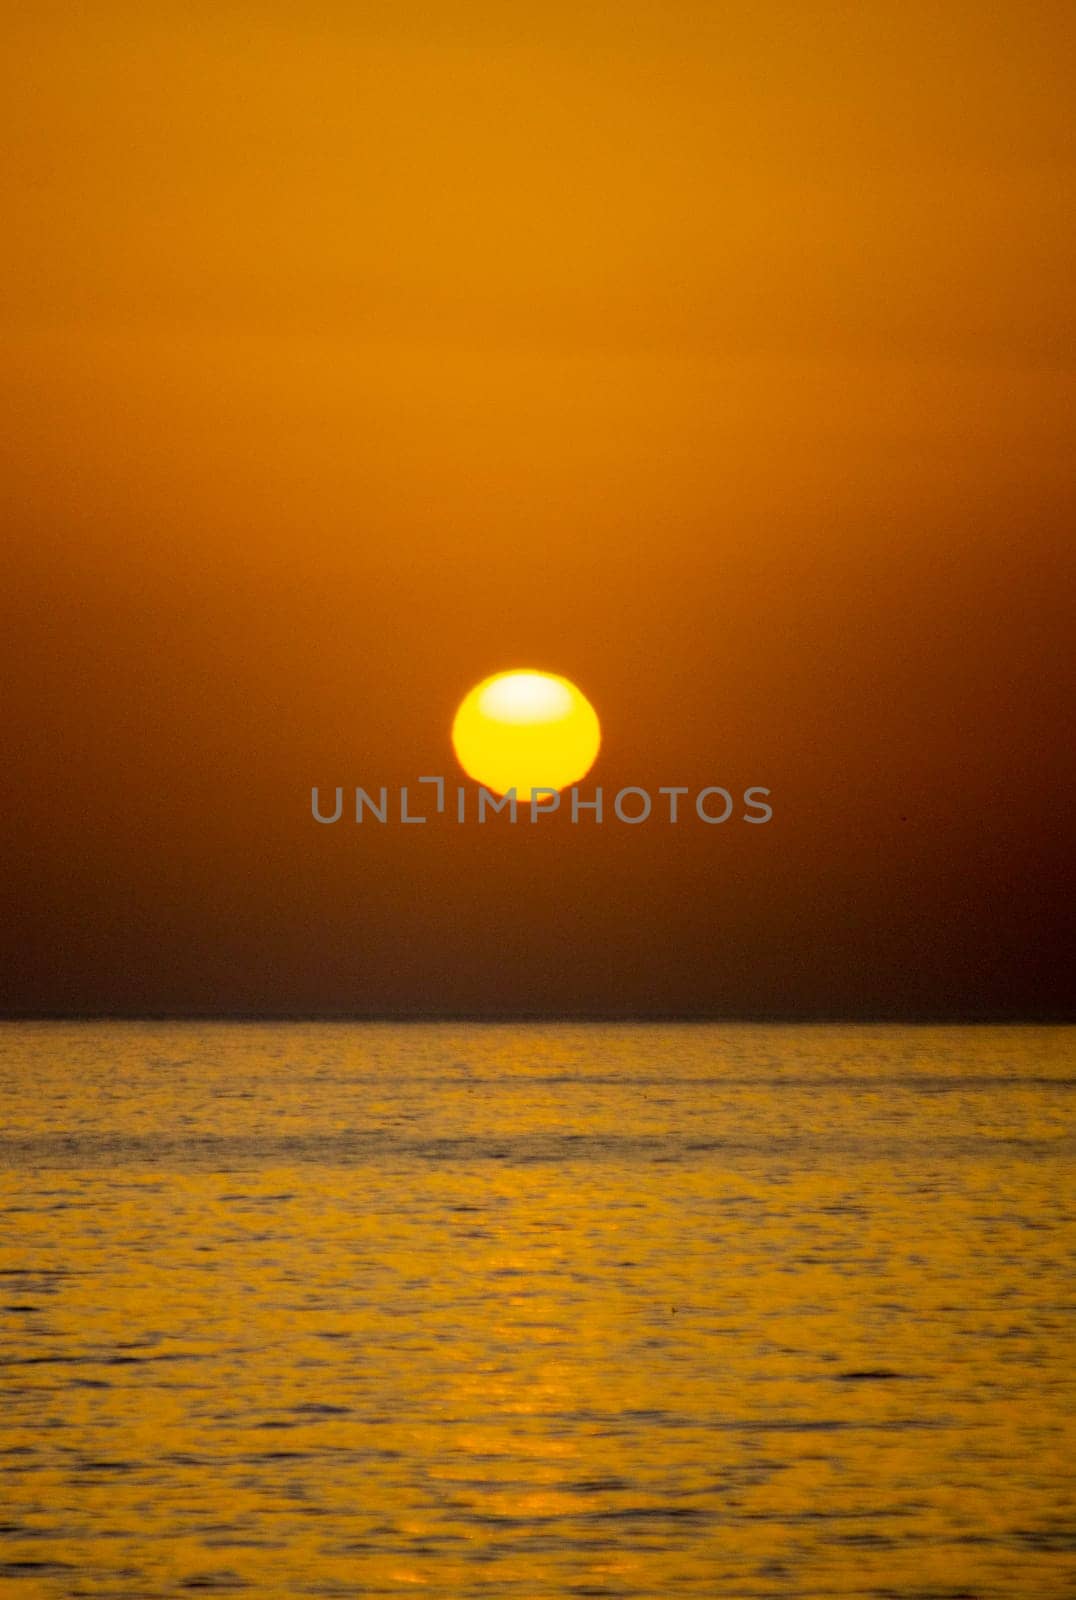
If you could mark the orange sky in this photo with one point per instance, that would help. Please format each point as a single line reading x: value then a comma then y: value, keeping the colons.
x: 718, y: 357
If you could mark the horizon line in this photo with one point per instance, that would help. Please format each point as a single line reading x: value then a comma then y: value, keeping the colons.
x: 597, y: 1018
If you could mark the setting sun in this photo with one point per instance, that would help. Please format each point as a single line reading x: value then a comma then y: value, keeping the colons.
x: 526, y: 730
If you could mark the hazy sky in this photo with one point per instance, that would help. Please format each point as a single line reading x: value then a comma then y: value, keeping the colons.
x: 720, y: 357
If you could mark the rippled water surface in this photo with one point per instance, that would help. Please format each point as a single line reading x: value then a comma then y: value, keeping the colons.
x: 536, y: 1311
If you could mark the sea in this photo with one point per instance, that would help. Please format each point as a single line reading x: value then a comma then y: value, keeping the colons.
x: 537, y: 1310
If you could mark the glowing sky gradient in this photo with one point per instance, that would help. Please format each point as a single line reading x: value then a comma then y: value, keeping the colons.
x: 718, y: 358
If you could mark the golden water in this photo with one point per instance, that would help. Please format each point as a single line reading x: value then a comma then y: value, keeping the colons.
x: 536, y: 1311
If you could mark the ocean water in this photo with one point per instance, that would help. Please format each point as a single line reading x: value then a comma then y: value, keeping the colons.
x: 536, y: 1311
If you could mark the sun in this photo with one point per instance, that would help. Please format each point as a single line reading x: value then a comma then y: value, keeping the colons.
x: 526, y: 730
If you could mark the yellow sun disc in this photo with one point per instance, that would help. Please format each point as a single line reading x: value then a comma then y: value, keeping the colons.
x: 524, y: 731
